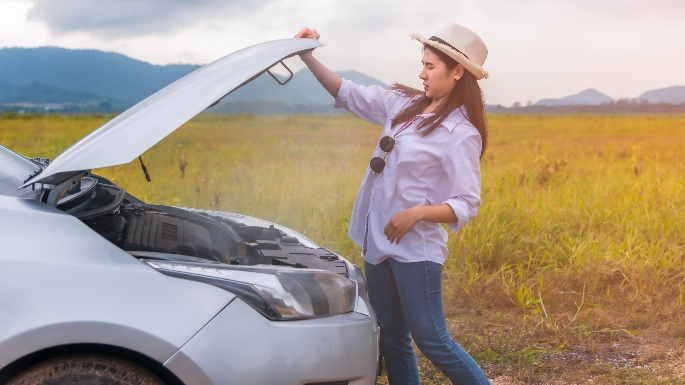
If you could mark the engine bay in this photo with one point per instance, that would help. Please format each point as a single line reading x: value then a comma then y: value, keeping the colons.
x: 163, y: 232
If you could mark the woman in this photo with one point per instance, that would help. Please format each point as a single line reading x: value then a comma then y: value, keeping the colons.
x: 425, y: 171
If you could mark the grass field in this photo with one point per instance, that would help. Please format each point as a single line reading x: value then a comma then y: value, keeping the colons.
x: 572, y: 272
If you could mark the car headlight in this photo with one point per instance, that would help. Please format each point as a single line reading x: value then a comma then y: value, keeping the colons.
x: 277, y: 293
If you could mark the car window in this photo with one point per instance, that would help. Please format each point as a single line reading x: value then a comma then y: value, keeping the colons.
x: 14, y: 170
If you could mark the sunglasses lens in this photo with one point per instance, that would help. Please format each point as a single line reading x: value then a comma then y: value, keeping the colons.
x: 377, y: 164
x: 387, y: 143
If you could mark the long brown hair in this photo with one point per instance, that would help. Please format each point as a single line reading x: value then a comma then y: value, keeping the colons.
x: 466, y: 92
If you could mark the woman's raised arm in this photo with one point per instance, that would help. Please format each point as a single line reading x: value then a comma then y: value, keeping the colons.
x: 330, y: 81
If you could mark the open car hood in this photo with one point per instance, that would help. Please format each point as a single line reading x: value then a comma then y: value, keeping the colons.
x: 127, y: 136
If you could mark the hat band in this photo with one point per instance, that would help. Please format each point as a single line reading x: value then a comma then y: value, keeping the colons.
x: 439, y: 40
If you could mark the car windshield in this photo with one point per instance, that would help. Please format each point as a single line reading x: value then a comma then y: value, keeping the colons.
x: 14, y: 169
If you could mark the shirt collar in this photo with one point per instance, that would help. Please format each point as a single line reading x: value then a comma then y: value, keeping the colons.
x: 454, y: 118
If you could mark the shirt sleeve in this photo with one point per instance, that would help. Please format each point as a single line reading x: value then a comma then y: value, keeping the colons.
x: 373, y: 104
x: 462, y: 164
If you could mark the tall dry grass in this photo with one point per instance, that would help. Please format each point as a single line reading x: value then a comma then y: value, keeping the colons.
x: 581, y: 229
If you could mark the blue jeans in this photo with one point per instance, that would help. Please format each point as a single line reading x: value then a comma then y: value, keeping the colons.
x: 407, y: 298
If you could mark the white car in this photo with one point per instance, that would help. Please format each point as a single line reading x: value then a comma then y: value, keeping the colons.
x: 98, y: 287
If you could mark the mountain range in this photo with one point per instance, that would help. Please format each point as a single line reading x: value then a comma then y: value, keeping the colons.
x: 80, y: 76
x: 59, y: 78
x: 592, y: 97
x: 585, y: 98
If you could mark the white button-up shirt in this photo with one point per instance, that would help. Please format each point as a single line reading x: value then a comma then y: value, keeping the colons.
x: 442, y: 167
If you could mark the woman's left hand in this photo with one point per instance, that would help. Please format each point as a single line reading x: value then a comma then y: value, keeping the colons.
x: 308, y: 33
x: 402, y: 223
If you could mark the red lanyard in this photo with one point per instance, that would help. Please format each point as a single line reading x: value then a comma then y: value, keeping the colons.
x: 405, y: 125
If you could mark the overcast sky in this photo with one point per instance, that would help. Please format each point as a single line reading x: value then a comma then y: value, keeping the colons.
x: 538, y: 48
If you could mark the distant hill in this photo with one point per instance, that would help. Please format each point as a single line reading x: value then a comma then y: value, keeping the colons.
x: 57, y: 75
x: 39, y: 93
x: 101, y: 75
x: 673, y: 95
x: 621, y: 106
x: 591, y: 97
x: 588, y: 97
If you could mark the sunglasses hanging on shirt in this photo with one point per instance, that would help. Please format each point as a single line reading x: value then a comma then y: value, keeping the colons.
x: 387, y: 144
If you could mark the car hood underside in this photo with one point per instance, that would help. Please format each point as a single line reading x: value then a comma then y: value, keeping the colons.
x: 127, y: 136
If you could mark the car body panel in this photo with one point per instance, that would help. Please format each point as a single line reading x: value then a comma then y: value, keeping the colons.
x: 118, y: 300
x: 240, y: 346
x: 14, y: 170
x: 133, y: 132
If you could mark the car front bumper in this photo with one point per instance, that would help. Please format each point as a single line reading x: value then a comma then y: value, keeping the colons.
x: 240, y: 346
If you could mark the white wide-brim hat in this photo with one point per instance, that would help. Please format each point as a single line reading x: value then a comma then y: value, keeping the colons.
x: 462, y: 45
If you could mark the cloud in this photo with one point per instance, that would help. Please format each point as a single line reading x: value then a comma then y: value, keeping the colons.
x: 116, y: 19
x: 126, y: 18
